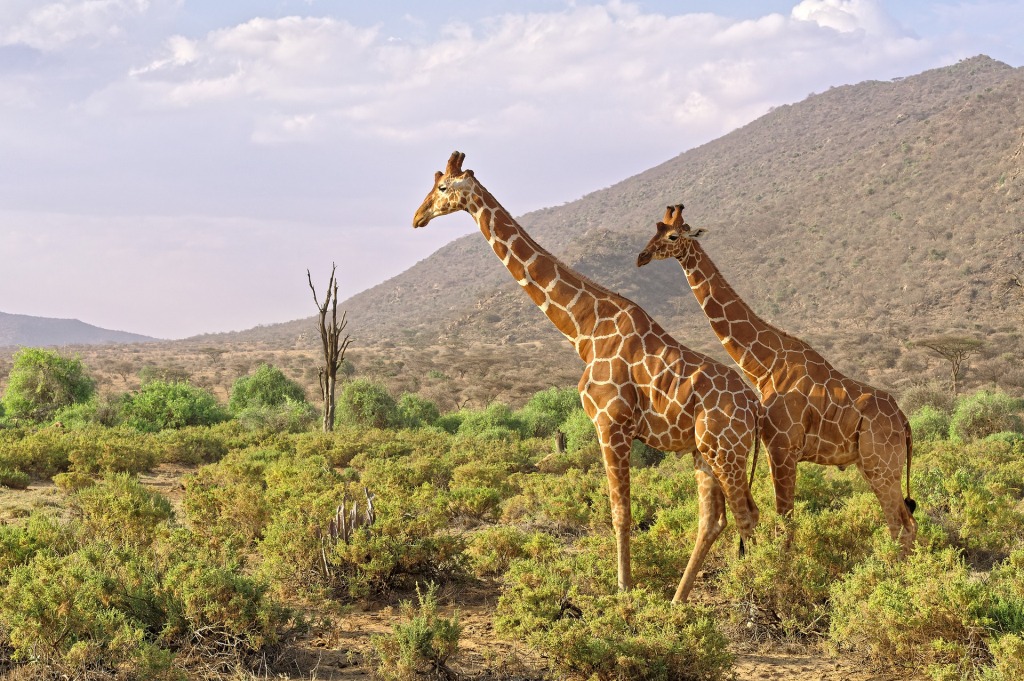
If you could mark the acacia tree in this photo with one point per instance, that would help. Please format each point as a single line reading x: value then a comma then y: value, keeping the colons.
x: 333, y: 345
x: 955, y: 350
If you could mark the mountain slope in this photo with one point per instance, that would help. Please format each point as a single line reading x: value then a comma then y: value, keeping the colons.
x: 859, y: 219
x: 19, y: 329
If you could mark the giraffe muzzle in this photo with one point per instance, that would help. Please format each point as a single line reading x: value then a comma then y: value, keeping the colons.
x: 643, y: 258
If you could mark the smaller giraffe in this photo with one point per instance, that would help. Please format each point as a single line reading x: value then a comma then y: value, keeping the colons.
x: 812, y: 411
x: 639, y: 382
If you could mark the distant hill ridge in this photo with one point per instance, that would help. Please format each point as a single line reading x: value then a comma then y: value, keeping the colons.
x: 858, y: 219
x: 25, y: 330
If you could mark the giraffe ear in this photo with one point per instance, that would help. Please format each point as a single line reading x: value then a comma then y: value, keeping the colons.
x: 698, y: 233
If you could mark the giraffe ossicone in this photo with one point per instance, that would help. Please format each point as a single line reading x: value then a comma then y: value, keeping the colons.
x: 639, y: 382
x: 812, y: 411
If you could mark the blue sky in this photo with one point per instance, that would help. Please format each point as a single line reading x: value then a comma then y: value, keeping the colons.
x: 172, y: 167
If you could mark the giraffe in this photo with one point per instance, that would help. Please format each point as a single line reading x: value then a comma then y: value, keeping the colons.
x: 638, y: 381
x: 812, y: 411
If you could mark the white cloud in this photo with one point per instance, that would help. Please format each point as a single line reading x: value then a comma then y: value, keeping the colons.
x: 51, y: 25
x: 577, y: 72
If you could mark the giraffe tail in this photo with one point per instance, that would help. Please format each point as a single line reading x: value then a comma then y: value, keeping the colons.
x: 911, y: 504
x: 757, y: 447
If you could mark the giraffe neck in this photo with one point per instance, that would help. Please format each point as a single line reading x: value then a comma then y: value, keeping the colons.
x: 754, y: 344
x: 572, y: 302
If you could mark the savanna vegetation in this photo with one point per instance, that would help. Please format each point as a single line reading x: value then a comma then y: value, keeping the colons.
x: 282, y: 532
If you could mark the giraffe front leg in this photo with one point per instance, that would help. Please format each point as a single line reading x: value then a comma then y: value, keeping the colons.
x: 711, y: 522
x: 615, y: 447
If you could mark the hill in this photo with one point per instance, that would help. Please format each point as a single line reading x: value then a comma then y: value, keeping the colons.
x: 860, y: 219
x: 24, y: 330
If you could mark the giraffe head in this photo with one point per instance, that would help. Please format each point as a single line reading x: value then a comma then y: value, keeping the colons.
x: 452, y: 192
x: 672, y: 240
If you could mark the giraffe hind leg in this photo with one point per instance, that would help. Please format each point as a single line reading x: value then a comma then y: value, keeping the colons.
x: 711, y: 522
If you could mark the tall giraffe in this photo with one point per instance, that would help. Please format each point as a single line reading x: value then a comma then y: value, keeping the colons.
x: 812, y: 411
x: 638, y: 381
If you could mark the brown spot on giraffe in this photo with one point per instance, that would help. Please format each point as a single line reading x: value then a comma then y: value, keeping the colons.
x: 812, y: 411
x: 638, y: 381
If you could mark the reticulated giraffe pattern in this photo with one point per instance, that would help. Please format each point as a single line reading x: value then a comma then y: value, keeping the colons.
x: 812, y: 411
x: 638, y: 381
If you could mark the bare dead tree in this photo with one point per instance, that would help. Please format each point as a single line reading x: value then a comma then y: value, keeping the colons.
x: 332, y: 343
x: 955, y: 350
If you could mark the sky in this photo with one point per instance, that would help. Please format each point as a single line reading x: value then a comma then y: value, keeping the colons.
x: 173, y: 167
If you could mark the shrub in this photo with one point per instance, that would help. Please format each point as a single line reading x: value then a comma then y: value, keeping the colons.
x: 985, y: 413
x: 548, y: 409
x: 781, y: 587
x: 85, y: 613
x: 632, y: 635
x: 290, y: 416
x: 925, y: 613
x: 933, y: 394
x: 422, y: 644
x: 928, y: 423
x: 190, y: 446
x: 104, y: 411
x: 969, y: 494
x: 160, y: 405
x: 579, y: 431
x: 14, y: 479
x: 417, y: 412
x: 497, y: 421
x: 367, y: 404
x: 41, y: 382
x: 96, y: 450
x: 265, y: 387
x: 120, y: 511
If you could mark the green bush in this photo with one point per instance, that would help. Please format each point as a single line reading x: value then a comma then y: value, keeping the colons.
x: 288, y: 417
x: 422, y: 644
x: 104, y: 411
x: 781, y: 588
x: 417, y: 412
x: 120, y: 511
x: 579, y: 431
x: 926, y: 613
x: 41, y: 382
x: 265, y: 387
x: 14, y: 479
x: 969, y: 495
x: 985, y: 413
x: 190, y: 446
x: 160, y: 405
x: 928, y: 423
x: 497, y: 421
x: 366, y: 404
x: 548, y: 409
x: 601, y: 635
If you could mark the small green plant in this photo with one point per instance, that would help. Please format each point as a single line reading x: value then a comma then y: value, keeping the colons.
x: 422, y: 644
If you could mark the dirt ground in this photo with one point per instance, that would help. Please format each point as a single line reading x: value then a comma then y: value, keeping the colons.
x: 338, y: 645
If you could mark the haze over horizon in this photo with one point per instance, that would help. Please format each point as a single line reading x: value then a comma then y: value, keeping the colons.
x: 172, y: 168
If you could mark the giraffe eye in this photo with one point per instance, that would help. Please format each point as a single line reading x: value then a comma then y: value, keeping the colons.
x: 673, y: 237
x: 441, y: 188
